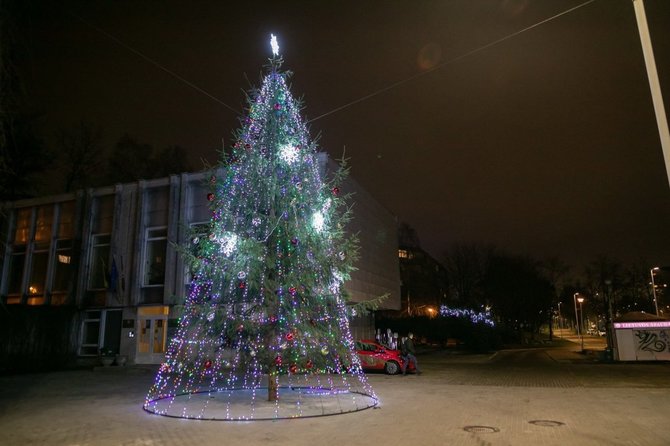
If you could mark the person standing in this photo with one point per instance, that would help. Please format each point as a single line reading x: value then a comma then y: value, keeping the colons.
x: 408, y: 353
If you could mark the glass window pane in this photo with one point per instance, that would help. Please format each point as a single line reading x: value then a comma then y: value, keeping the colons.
x: 103, y: 214
x: 154, y: 267
x: 157, y: 233
x: 102, y: 239
x: 63, y: 272
x: 16, y: 272
x: 38, y: 273
x: 43, y: 224
x: 66, y: 224
x: 159, y: 336
x: 156, y: 206
x: 22, y: 233
x: 99, y: 276
x: 91, y: 332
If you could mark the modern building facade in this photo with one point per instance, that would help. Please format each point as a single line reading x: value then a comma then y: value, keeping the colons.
x: 110, y: 255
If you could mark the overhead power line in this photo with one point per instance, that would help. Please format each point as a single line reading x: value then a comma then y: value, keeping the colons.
x: 451, y: 61
x: 356, y: 101
x: 153, y: 62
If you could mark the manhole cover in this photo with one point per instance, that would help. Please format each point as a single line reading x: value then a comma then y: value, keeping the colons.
x: 546, y: 423
x: 481, y: 429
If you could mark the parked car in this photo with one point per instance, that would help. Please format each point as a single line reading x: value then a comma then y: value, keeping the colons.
x: 375, y: 356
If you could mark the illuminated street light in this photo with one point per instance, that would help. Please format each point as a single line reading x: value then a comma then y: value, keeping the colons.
x: 581, y: 319
x: 577, y: 320
x: 653, y: 287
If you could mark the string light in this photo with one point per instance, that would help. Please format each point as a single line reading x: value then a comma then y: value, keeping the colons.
x: 265, y: 307
x: 475, y: 317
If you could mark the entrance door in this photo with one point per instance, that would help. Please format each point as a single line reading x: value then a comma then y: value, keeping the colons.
x: 152, y: 334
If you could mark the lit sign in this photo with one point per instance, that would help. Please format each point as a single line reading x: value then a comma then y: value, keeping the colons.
x: 648, y: 324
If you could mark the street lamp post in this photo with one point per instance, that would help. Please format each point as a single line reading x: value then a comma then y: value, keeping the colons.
x: 581, y: 320
x: 653, y: 288
x: 579, y: 331
x: 560, y: 326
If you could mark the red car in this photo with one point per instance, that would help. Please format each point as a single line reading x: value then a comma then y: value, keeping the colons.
x: 375, y: 356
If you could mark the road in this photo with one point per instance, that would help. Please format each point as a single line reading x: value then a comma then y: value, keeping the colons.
x: 548, y: 395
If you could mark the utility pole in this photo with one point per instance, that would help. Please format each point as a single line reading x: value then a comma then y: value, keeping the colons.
x: 654, y: 84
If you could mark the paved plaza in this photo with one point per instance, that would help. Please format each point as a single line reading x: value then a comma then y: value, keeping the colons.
x: 534, y: 396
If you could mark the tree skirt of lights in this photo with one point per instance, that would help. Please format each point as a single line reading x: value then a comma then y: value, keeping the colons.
x: 298, y: 397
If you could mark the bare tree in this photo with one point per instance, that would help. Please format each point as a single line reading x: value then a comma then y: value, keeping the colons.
x: 171, y: 160
x: 81, y: 155
x: 466, y: 266
x: 129, y: 161
x: 23, y: 155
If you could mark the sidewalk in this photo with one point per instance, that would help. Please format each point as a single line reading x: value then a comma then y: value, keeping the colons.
x: 103, y: 407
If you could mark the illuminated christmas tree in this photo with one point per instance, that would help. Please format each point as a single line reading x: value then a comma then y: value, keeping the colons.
x: 265, y: 331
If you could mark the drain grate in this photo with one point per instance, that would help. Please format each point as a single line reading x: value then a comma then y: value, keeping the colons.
x: 481, y: 429
x: 546, y: 423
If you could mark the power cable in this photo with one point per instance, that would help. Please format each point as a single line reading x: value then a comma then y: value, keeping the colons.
x: 153, y: 62
x: 451, y: 61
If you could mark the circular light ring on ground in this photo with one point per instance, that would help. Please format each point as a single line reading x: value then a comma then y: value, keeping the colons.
x: 252, y: 405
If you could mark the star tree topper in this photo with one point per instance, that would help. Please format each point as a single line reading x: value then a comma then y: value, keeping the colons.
x: 274, y: 45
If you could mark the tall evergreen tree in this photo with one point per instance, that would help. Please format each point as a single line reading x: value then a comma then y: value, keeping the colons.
x: 267, y: 308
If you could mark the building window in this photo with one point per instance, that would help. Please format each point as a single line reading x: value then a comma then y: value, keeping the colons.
x: 100, y: 329
x: 90, y: 333
x: 64, y: 249
x: 99, y: 262
x: 154, y: 258
x: 405, y: 254
x: 18, y: 254
x: 63, y: 271
x: 40, y: 257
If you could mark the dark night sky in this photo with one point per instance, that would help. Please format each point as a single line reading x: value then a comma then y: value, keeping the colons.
x: 545, y: 144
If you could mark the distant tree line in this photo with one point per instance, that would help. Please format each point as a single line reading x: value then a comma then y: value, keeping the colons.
x: 29, y: 165
x: 524, y: 293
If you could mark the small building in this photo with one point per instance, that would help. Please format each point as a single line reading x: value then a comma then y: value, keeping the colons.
x: 641, y: 336
x: 99, y: 269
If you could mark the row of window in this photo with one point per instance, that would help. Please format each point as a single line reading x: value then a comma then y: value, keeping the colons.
x: 41, y: 260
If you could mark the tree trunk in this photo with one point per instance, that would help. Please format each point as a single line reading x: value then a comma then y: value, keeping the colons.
x: 273, y: 390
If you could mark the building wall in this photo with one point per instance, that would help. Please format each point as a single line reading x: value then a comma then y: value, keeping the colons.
x: 111, y: 254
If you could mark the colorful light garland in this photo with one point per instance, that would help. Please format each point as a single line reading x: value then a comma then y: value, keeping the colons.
x: 476, y: 317
x: 266, y: 314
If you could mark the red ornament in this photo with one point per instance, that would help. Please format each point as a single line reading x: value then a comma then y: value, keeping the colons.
x: 289, y: 336
x: 277, y: 106
x: 292, y: 290
x: 242, y: 285
x: 247, y: 146
x: 210, y: 196
x: 208, y: 364
x: 309, y: 364
x: 240, y: 328
x: 293, y: 368
x: 278, y: 360
x: 335, y: 190
x: 294, y: 241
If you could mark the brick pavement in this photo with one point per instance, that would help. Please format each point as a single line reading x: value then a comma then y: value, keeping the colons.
x: 497, y: 404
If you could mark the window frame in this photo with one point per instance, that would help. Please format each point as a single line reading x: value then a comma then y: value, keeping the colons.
x: 146, y: 265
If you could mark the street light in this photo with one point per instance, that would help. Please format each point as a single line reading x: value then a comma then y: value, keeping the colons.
x: 560, y: 326
x: 653, y: 287
x: 581, y: 319
x: 577, y: 320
